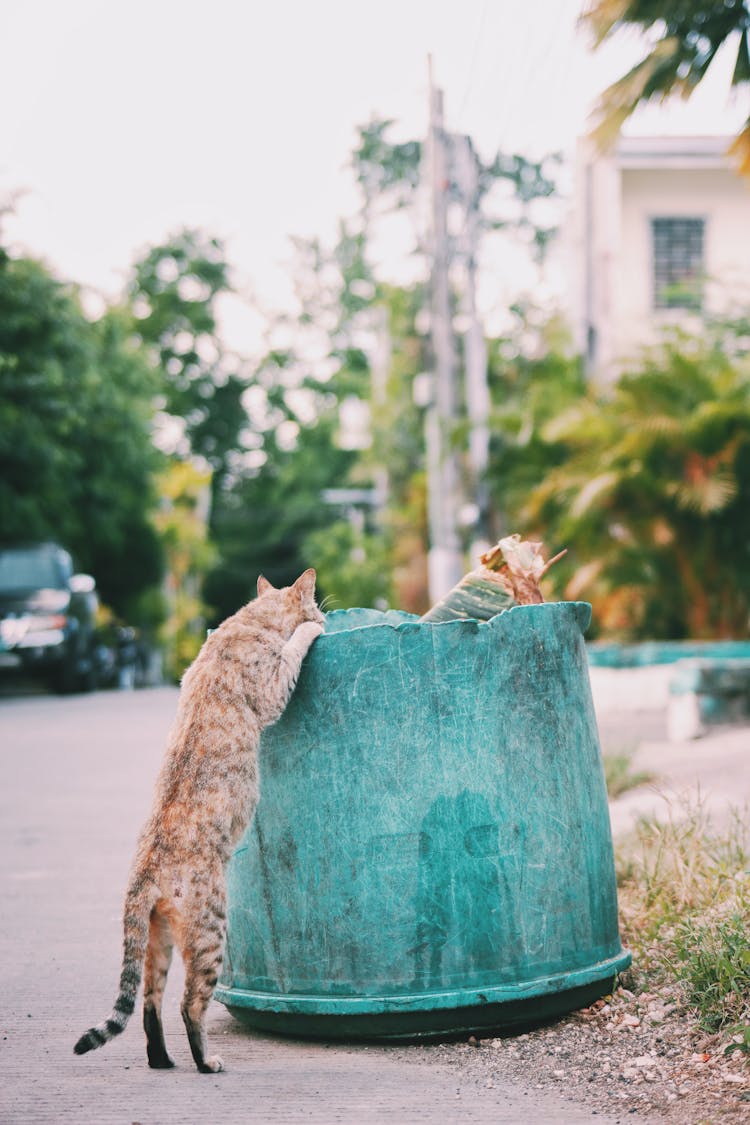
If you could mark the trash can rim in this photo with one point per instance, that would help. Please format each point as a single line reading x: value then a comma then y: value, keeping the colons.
x: 400, y: 621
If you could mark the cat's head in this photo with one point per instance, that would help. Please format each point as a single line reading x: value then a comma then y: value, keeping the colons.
x: 291, y: 605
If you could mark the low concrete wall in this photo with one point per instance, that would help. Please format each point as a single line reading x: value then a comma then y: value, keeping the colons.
x: 694, y: 691
x: 631, y: 689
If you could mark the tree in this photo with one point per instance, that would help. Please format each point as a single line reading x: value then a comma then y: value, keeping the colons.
x: 653, y: 494
x: 352, y: 341
x: 535, y: 377
x: 277, y: 512
x: 76, y: 457
x: 181, y: 520
x: 389, y: 172
x: 683, y: 40
x: 173, y: 293
x: 263, y: 522
x: 114, y: 494
x: 398, y: 445
x: 354, y: 565
x: 45, y: 354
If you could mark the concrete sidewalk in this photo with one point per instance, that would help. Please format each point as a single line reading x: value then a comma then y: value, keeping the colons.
x: 76, y: 776
x: 75, y: 784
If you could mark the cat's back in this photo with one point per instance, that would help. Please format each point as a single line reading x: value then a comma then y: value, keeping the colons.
x: 232, y: 654
x: 220, y: 684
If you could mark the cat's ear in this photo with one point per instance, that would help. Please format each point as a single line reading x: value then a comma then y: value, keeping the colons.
x: 263, y: 586
x: 305, y: 584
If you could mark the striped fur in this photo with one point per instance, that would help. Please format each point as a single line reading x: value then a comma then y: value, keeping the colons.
x: 240, y: 682
x: 138, y: 909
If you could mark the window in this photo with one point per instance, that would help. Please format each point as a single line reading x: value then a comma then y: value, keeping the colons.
x: 678, y: 263
x: 28, y: 568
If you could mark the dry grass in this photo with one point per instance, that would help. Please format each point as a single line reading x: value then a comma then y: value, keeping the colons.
x: 684, y: 889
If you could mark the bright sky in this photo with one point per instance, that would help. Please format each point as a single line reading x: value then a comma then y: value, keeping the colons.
x: 124, y: 121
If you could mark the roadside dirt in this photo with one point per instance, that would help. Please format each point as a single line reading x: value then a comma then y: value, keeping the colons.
x: 637, y: 1055
x: 627, y: 1055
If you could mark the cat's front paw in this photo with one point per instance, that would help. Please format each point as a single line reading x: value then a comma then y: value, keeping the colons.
x: 307, y: 632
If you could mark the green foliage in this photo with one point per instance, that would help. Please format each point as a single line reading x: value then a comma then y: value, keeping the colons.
x: 712, y: 957
x: 274, y: 500
x: 398, y: 438
x: 174, y: 287
x: 353, y: 566
x: 45, y: 353
x: 652, y: 495
x: 398, y: 446
x: 173, y: 294
x: 647, y: 484
x: 263, y: 522
x: 533, y: 379
x: 181, y: 521
x: 383, y: 167
x: 114, y: 494
x: 352, y: 337
x: 529, y: 181
x: 76, y: 456
x: 390, y: 172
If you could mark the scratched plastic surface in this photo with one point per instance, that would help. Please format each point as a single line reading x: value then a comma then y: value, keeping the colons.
x: 432, y: 847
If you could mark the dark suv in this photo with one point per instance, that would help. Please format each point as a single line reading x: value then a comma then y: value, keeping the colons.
x: 47, y: 616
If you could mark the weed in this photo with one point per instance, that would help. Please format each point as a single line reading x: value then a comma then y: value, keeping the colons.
x: 618, y: 775
x: 685, y: 910
x: 712, y: 957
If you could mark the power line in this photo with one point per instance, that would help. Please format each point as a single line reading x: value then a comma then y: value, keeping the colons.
x: 474, y: 56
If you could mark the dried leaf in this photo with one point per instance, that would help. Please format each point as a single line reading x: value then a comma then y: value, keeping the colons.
x: 522, y: 567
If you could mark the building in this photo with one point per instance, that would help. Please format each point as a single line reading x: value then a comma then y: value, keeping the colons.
x: 661, y: 234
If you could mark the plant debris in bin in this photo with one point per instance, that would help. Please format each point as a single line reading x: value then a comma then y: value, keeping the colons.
x: 509, y: 574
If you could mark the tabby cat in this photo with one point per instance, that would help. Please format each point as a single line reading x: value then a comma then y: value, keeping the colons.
x: 207, y: 791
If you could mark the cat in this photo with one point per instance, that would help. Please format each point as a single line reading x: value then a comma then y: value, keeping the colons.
x: 206, y: 794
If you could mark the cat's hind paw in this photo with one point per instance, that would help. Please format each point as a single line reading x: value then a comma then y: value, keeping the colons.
x: 160, y: 1061
x: 212, y: 1065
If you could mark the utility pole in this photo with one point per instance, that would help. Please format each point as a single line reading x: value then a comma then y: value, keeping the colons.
x: 445, y: 562
x: 476, y: 389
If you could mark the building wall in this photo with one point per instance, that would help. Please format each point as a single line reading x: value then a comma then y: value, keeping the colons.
x: 716, y: 195
x: 616, y: 196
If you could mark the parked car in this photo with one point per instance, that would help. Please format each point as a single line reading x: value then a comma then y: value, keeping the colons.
x: 47, y: 617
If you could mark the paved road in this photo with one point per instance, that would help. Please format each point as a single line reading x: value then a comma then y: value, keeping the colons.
x: 75, y: 784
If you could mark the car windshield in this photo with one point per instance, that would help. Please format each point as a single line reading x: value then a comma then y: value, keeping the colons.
x: 29, y: 569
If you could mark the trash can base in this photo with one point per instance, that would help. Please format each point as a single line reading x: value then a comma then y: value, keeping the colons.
x: 395, y: 1018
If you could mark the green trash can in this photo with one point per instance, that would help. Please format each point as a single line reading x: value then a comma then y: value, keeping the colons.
x: 432, y: 852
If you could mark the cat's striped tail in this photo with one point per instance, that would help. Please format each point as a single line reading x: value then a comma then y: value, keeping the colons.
x: 138, y: 908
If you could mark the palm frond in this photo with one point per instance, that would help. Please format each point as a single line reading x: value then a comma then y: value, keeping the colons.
x: 583, y: 418
x: 601, y: 17
x: 583, y: 579
x: 594, y: 491
x: 661, y: 425
x: 653, y: 76
x: 706, y: 496
x: 742, y: 65
x: 739, y: 149
x: 685, y: 39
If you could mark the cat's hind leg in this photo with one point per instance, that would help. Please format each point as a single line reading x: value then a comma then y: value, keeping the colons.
x: 202, y: 953
x: 158, y: 960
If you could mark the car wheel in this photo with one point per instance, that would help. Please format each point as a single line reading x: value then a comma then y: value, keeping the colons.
x: 87, y: 676
x: 76, y: 676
